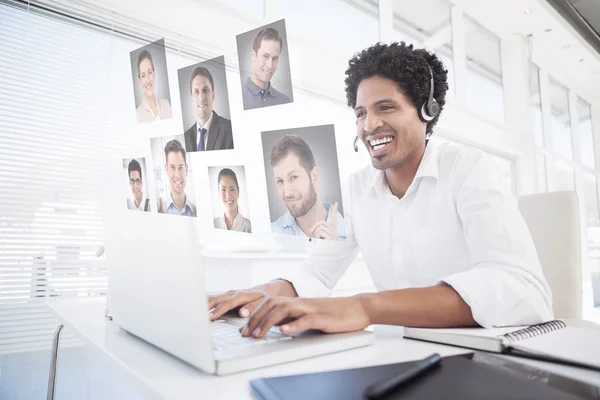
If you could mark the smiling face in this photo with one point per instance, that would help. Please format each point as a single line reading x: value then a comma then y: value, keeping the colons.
x: 265, y: 61
x: 135, y: 182
x: 177, y: 171
x: 296, y: 187
x: 203, y: 97
x: 146, y: 77
x: 388, y: 123
x: 229, y: 193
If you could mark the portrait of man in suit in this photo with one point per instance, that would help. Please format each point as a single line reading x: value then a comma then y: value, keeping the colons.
x: 210, y: 131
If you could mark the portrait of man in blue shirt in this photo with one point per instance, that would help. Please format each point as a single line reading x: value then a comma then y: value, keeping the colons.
x: 297, y: 177
x: 257, y: 91
x: 177, y: 201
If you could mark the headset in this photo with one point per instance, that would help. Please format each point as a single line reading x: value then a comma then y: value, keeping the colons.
x: 427, y: 112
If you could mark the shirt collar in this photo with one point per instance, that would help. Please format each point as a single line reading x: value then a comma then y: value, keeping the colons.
x: 206, y: 124
x: 428, y: 167
x: 172, y: 203
x: 141, y: 207
x: 235, y: 220
x: 146, y: 104
x: 288, y: 219
x: 256, y: 90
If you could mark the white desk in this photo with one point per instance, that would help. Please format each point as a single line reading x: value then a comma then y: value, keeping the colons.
x: 161, y: 376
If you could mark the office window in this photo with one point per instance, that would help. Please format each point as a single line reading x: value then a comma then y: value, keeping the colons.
x: 484, y: 93
x: 591, y: 266
x: 66, y: 110
x: 561, y: 120
x: 536, y: 105
x: 346, y: 27
x: 590, y: 191
x: 427, y: 23
x: 563, y: 177
x: 586, y: 139
x: 540, y: 160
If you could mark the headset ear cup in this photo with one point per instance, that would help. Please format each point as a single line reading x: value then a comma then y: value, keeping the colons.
x: 433, y: 108
x: 424, y: 115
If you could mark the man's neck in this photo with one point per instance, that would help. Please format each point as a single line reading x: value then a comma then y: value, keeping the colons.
x: 138, y: 201
x: 258, y: 83
x: 178, y: 199
x: 201, y: 122
x: 401, y: 176
x: 230, y: 217
x: 317, y: 213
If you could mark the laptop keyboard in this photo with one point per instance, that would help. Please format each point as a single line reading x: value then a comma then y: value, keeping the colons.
x: 226, y: 335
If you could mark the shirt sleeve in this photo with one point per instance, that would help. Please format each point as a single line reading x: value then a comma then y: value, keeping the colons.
x: 327, y: 260
x: 506, y: 286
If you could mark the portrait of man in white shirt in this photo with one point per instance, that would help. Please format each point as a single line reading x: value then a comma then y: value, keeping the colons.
x: 442, y: 237
x: 139, y: 202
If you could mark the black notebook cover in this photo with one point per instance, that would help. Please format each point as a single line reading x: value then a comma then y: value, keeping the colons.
x: 456, y: 378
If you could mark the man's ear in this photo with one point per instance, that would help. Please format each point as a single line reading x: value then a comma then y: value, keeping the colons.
x: 186, y: 169
x: 253, y: 55
x: 314, y: 176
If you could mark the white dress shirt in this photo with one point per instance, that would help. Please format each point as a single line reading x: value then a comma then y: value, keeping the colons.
x: 131, y: 204
x: 207, y: 127
x: 456, y: 224
x: 240, y: 223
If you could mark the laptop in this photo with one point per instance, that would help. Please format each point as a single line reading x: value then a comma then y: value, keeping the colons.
x: 156, y: 291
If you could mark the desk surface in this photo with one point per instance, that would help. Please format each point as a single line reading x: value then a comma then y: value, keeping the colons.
x: 161, y: 375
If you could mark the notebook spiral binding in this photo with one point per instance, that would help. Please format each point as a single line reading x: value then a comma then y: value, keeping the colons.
x: 534, y: 330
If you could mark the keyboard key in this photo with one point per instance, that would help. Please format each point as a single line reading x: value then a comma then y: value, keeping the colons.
x: 227, y: 335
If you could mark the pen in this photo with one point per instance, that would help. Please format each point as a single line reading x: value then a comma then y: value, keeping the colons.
x: 384, y: 387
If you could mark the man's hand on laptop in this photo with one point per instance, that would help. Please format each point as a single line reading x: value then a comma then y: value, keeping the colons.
x: 331, y: 315
x: 247, y: 300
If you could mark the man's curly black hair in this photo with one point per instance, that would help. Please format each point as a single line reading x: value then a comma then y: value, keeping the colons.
x: 404, y: 65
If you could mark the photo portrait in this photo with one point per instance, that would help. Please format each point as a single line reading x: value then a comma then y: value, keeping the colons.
x: 151, y: 83
x: 135, y: 173
x: 265, y: 66
x: 205, y: 106
x: 229, y: 196
x: 173, y: 177
x: 303, y: 182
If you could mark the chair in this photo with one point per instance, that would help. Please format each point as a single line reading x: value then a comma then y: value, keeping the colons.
x: 553, y: 221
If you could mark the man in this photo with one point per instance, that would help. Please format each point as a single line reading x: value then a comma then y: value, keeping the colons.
x: 444, y: 243
x: 296, y: 176
x: 177, y: 202
x: 258, y: 91
x: 211, y: 131
x: 139, y: 202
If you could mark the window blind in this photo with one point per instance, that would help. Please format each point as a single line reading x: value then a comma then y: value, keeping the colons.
x: 59, y: 122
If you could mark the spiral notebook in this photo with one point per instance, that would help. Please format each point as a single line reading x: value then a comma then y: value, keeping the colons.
x: 552, y: 341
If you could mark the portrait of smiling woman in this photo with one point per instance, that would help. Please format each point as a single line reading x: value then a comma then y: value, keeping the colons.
x: 150, y: 83
x: 228, y: 206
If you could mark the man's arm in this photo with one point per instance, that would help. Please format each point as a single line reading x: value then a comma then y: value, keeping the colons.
x: 431, y: 307
x: 506, y: 285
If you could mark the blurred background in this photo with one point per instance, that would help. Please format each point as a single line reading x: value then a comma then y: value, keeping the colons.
x: 523, y: 78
